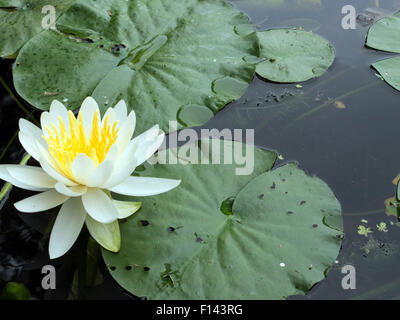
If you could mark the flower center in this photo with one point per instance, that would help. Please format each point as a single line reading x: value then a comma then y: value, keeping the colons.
x: 65, y: 146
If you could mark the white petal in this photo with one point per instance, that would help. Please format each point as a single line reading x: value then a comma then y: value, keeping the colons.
x: 29, y: 128
x: 41, y: 202
x: 101, y: 174
x: 121, y: 111
x: 57, y: 109
x: 82, y: 167
x: 148, y: 143
x: 124, y: 166
x: 5, y: 175
x: 126, y: 131
x: 111, y: 117
x: 126, y: 208
x: 33, y: 131
x: 67, y: 227
x: 106, y: 234
x: 99, y: 206
x: 144, y: 186
x: 138, y: 150
x: 46, y: 120
x: 29, y: 136
x: 33, y: 176
x: 47, y: 163
x: 88, y: 108
x: 29, y: 144
x: 55, y: 174
x: 70, y: 191
x: 112, y: 154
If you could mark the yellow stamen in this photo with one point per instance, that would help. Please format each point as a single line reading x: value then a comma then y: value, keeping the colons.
x: 64, y: 146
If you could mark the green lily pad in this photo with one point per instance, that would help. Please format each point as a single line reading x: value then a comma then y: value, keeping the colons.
x: 222, y: 236
x: 384, y: 35
x: 389, y: 69
x: 22, y: 19
x: 293, y: 55
x: 158, y: 56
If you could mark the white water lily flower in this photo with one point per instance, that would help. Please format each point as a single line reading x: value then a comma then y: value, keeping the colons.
x: 83, y: 159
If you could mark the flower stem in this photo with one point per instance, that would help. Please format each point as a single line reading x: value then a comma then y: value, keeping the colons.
x: 9, y: 143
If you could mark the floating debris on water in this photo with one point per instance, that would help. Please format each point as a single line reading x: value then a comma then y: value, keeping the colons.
x: 339, y: 104
x: 363, y: 231
x: 382, y: 227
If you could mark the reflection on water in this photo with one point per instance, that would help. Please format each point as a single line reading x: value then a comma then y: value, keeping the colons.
x: 341, y: 127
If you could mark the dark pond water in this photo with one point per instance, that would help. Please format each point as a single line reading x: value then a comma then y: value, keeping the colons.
x: 353, y: 149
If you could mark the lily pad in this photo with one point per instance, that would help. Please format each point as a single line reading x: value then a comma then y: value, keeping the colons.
x: 158, y: 56
x: 293, y: 55
x: 384, y: 35
x: 221, y: 236
x: 22, y: 19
